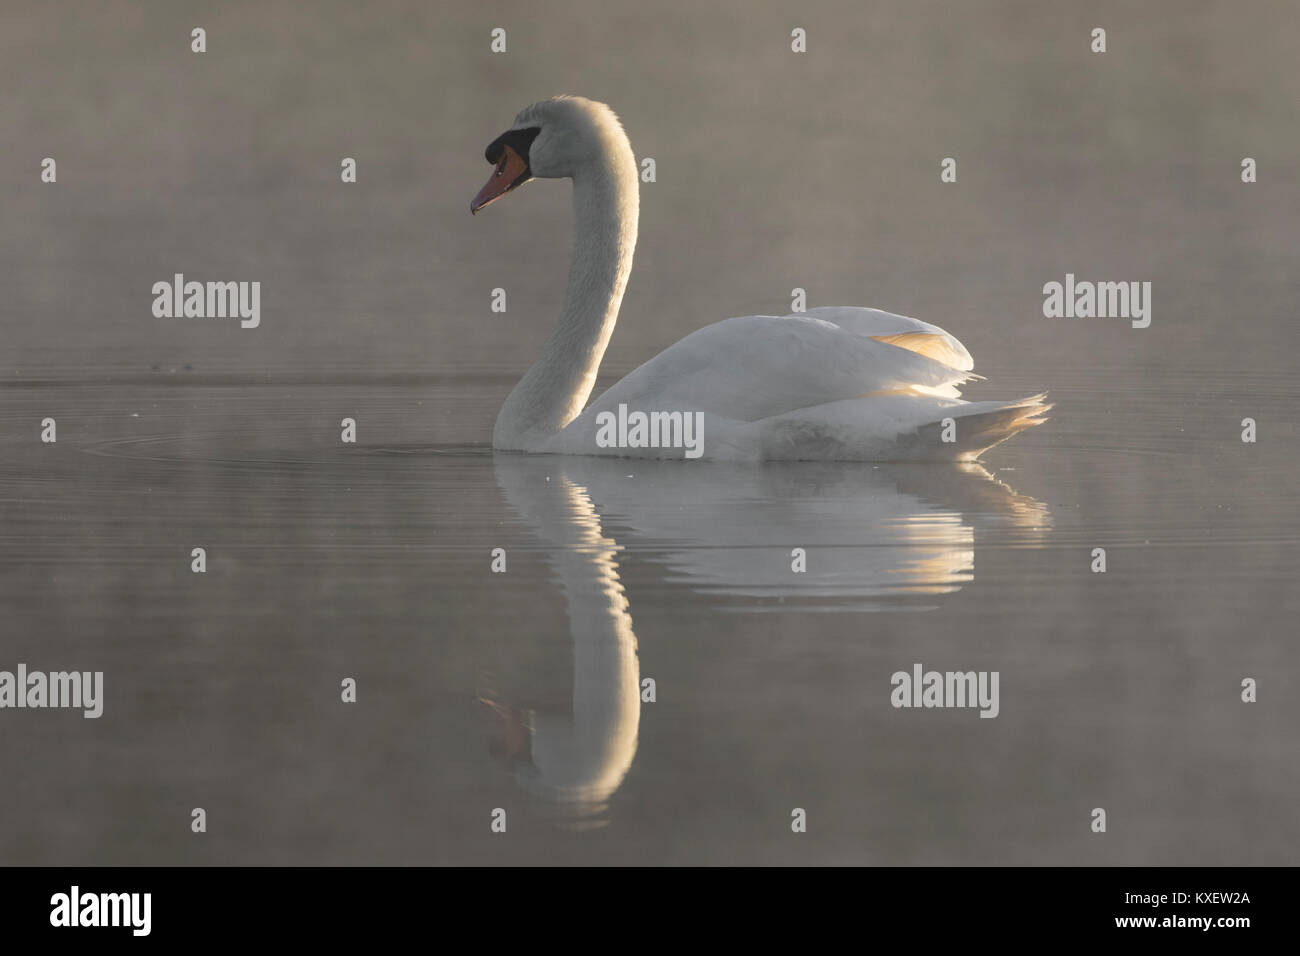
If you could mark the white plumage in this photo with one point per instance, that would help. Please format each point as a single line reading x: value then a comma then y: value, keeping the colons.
x: 837, y: 383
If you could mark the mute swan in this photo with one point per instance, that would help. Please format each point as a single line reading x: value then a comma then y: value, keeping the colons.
x: 830, y: 383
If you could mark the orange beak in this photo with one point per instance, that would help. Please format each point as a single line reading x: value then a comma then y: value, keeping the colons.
x: 511, y: 171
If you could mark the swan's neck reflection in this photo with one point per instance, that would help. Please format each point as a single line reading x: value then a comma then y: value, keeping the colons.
x: 577, y: 762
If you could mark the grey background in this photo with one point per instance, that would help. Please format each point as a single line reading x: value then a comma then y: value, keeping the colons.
x: 775, y: 170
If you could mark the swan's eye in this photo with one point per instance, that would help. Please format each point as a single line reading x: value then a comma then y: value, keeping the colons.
x: 509, y: 166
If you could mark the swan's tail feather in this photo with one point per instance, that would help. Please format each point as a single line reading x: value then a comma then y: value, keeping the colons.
x: 970, y: 433
x: 885, y: 428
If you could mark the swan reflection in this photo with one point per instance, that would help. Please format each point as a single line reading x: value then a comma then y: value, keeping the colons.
x: 874, y: 538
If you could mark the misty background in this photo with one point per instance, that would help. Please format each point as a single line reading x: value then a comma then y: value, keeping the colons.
x: 775, y: 170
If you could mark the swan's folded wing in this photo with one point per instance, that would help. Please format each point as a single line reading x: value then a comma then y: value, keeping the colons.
x: 756, y: 366
x: 901, y: 330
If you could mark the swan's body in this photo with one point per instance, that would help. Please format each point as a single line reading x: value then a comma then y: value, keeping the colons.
x: 832, y: 383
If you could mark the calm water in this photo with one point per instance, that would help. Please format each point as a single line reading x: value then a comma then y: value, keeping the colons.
x: 1117, y: 690
x: 520, y: 690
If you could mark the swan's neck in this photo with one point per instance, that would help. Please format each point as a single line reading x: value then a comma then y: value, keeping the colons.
x: 555, y: 389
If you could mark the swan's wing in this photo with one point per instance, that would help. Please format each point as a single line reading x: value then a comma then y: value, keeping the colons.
x: 902, y: 330
x: 756, y: 366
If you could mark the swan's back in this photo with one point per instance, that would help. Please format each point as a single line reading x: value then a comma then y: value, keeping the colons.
x: 837, y: 383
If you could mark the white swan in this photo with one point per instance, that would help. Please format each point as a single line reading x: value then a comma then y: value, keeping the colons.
x: 831, y: 383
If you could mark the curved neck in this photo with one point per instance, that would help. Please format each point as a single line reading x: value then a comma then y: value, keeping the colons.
x: 605, y: 208
x: 584, y: 758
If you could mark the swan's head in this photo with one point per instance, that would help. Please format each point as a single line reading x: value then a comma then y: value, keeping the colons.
x: 555, y: 139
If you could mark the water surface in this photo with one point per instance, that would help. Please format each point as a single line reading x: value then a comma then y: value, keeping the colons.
x: 520, y: 690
